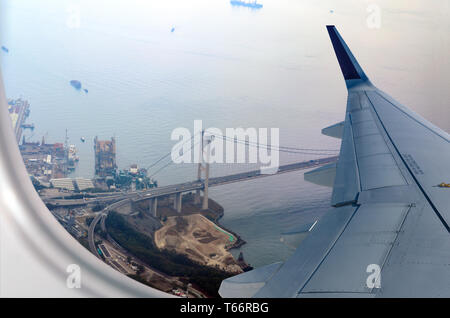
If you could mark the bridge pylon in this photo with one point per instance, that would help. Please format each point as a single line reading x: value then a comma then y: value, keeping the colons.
x: 153, y: 206
x: 203, y: 167
x: 178, y: 201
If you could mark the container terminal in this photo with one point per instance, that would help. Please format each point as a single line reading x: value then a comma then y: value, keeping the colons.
x: 44, y: 161
x: 19, y: 110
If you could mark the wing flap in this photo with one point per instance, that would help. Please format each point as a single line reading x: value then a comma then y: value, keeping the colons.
x: 367, y: 240
x: 298, y: 269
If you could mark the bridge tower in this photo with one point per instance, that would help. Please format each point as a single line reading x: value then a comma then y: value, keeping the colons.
x: 177, y: 201
x: 203, y: 167
x: 153, y: 206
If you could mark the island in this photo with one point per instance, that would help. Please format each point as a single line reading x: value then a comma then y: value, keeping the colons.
x: 174, y: 249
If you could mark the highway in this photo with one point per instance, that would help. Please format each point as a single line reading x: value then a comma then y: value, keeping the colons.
x: 95, y: 221
x: 282, y: 169
x: 91, y: 233
x: 77, y: 202
x: 191, y: 185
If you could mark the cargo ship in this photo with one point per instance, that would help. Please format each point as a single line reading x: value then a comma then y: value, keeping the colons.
x: 72, y: 157
x: 76, y: 84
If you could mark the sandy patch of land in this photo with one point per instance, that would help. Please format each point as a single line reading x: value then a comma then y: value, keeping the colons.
x: 199, y: 239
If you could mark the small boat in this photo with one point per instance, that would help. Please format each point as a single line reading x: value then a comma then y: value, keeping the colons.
x: 85, y: 90
x: 173, y: 29
x: 248, y: 4
x: 28, y: 126
x: 83, y: 139
x: 76, y: 84
x: 4, y: 48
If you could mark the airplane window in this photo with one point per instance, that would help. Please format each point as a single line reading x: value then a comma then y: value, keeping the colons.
x: 171, y: 138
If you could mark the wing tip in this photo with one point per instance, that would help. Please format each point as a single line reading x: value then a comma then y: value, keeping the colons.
x: 347, y: 62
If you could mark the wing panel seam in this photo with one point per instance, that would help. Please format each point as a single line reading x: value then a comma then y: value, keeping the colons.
x: 438, y: 214
x: 355, y: 154
x: 402, y: 111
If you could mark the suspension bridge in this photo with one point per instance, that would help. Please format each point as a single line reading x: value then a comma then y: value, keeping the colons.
x: 200, y: 186
x: 204, y: 179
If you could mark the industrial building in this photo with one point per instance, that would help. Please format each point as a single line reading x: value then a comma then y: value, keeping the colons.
x: 105, y: 157
x: 77, y: 184
x: 83, y: 184
x: 63, y: 183
x: 44, y: 161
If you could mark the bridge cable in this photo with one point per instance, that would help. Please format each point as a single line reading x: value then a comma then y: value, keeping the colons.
x: 168, y: 154
x: 282, y: 148
x: 170, y: 162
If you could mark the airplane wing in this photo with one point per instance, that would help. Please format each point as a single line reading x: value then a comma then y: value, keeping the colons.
x: 387, y: 233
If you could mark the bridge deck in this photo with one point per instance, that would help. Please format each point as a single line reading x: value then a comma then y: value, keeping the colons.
x: 196, y: 185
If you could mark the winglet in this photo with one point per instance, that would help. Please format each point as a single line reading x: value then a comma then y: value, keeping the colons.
x: 353, y: 73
